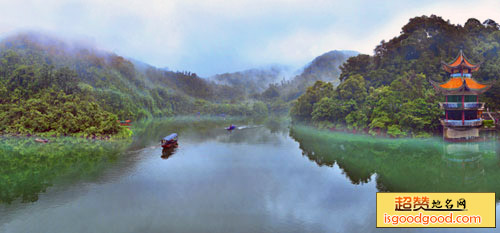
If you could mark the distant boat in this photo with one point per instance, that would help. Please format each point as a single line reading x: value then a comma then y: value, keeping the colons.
x: 169, y: 141
x: 231, y: 127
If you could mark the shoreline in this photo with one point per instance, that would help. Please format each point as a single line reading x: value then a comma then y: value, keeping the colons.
x: 51, y: 135
x: 381, y: 133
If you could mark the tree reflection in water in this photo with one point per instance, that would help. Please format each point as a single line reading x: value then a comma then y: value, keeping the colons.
x: 28, y: 168
x: 405, y: 165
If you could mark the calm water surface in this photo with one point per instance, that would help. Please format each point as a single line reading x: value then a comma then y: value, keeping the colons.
x: 262, y: 177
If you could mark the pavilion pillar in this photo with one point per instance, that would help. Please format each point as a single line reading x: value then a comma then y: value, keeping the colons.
x: 463, y: 109
x: 446, y: 111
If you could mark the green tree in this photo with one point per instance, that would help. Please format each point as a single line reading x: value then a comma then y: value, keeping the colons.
x: 303, y: 107
x: 354, y: 88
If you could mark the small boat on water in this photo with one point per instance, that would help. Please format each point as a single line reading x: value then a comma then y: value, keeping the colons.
x: 41, y: 140
x: 169, y: 141
x: 231, y: 127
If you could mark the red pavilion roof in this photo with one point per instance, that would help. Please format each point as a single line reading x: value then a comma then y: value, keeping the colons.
x: 460, y: 62
x: 461, y: 85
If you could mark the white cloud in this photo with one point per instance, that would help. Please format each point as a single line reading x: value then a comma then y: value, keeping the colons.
x: 209, y: 36
x: 301, y: 46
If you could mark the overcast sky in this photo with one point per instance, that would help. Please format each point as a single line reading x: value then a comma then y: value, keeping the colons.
x: 216, y: 36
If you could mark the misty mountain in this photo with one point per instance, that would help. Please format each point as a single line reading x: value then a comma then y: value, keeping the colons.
x: 253, y: 80
x: 133, y: 89
x: 325, y: 67
x: 256, y: 81
x: 128, y: 88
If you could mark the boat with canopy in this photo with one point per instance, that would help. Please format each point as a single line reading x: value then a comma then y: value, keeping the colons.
x: 169, y: 141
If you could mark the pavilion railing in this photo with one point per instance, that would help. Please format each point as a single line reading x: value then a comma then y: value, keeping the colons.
x: 458, y: 105
x: 475, y: 122
x: 460, y: 75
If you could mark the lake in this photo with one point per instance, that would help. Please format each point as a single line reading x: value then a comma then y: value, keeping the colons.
x: 265, y: 176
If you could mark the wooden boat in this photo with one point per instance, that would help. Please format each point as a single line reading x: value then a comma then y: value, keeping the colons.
x: 169, y: 141
x: 41, y: 140
x: 231, y: 127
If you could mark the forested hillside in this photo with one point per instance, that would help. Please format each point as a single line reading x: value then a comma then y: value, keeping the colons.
x: 48, y: 85
x: 277, y: 87
x: 391, y: 91
x: 253, y: 82
x: 52, y: 86
x: 325, y: 67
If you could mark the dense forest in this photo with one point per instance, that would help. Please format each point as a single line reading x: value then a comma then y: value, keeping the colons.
x: 55, y: 87
x: 52, y: 86
x: 48, y: 86
x: 390, y: 90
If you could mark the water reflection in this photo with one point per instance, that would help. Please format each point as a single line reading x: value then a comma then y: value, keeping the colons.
x: 466, y: 162
x: 168, y: 152
x: 405, y: 165
x: 256, y: 179
x: 218, y: 185
x: 28, y: 168
x: 200, y: 129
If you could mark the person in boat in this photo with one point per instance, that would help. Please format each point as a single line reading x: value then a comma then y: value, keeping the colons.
x: 169, y: 141
x: 231, y: 127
